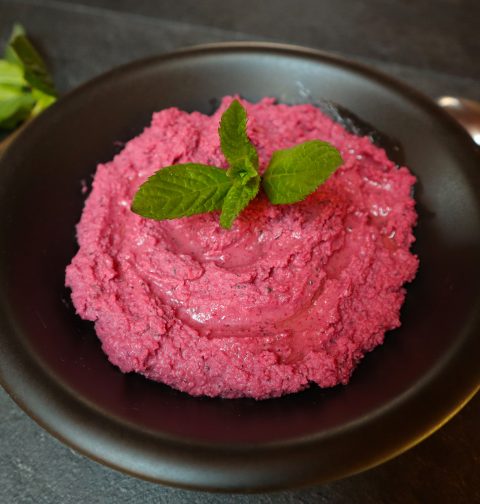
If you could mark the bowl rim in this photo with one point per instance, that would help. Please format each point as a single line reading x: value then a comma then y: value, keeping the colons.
x: 35, y: 390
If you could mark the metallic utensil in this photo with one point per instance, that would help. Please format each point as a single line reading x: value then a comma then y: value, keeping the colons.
x: 466, y: 112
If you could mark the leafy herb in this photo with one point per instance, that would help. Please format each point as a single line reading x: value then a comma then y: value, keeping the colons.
x: 295, y: 173
x: 188, y: 189
x: 236, y: 147
x: 181, y: 190
x: 243, y: 159
x: 26, y: 87
x: 237, y: 198
x: 36, y: 73
x: 15, y: 106
x: 17, y: 31
x: 11, y: 74
x: 42, y: 101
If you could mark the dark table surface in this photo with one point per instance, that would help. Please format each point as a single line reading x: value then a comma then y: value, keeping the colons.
x: 434, y: 45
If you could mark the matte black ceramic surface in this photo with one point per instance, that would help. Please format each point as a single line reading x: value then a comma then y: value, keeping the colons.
x: 51, y: 361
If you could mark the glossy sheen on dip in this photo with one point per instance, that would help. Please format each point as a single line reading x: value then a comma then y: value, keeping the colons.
x: 291, y: 295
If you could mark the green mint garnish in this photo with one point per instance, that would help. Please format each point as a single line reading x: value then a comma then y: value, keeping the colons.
x: 182, y: 190
x: 295, y: 173
x: 188, y: 189
x: 26, y: 87
x: 243, y: 160
x: 236, y: 146
x: 237, y: 198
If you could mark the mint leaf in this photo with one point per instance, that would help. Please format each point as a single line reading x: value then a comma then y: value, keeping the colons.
x: 35, y: 70
x: 182, y: 190
x: 237, y: 198
x: 15, y: 105
x: 295, y: 173
x: 11, y: 74
x: 236, y: 146
x: 243, y: 159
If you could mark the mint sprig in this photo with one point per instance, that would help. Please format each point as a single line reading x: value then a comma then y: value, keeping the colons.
x: 188, y: 189
x: 26, y: 87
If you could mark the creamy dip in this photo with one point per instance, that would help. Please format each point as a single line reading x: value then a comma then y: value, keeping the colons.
x: 291, y: 295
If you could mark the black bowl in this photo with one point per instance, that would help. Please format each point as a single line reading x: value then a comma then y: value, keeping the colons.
x: 52, y: 364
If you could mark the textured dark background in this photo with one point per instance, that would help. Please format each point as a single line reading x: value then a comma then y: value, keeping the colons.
x: 434, y: 45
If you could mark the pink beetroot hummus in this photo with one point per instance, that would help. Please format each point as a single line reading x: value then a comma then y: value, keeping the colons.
x: 291, y: 295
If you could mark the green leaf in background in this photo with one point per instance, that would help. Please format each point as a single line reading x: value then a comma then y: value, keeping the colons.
x: 182, y: 190
x: 15, y: 106
x: 11, y: 74
x: 42, y: 100
x: 9, y: 54
x: 24, y: 69
x: 295, y: 173
x: 235, y: 144
x: 36, y: 73
x: 237, y: 199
